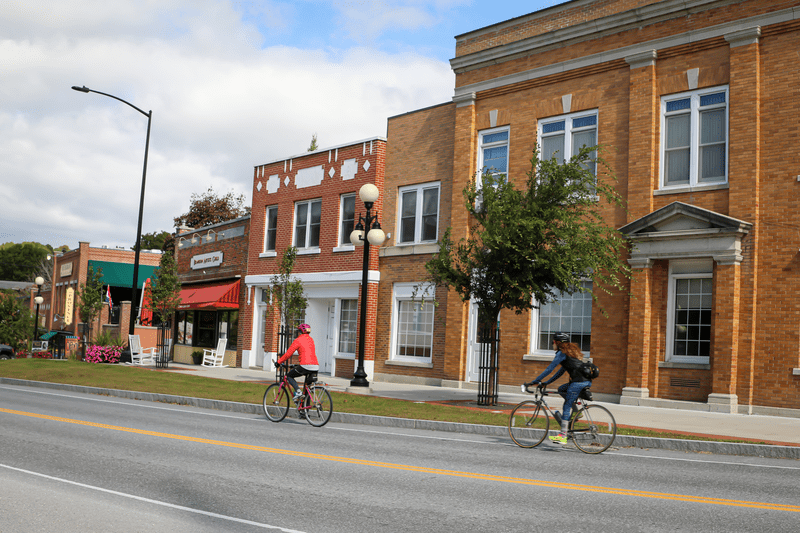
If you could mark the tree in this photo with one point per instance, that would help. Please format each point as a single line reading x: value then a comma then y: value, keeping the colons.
x: 209, y: 208
x: 165, y: 289
x: 530, y: 244
x: 155, y: 241
x: 286, y: 292
x: 16, y: 321
x: 313, y: 146
x: 21, y: 262
x: 90, y: 297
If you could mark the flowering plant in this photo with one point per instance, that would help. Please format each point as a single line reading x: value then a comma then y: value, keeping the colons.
x: 24, y: 354
x: 103, y: 354
x: 43, y: 355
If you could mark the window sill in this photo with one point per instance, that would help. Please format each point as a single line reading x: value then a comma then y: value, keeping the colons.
x: 696, y: 188
x: 685, y: 366
x: 414, y: 364
x: 308, y: 251
x: 345, y: 356
x: 344, y: 249
x: 538, y: 357
x: 267, y: 254
x: 408, y: 249
x: 796, y: 371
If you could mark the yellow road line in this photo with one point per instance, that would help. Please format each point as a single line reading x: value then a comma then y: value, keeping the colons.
x: 426, y: 470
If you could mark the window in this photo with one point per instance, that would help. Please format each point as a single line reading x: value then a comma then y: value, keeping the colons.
x: 694, y: 138
x: 210, y: 326
x: 493, y: 151
x: 689, y: 311
x: 419, y: 213
x: 412, y: 325
x: 271, y: 231
x: 348, y: 317
x: 563, y: 137
x: 229, y: 327
x: 568, y: 313
x: 347, y: 219
x: 307, y: 218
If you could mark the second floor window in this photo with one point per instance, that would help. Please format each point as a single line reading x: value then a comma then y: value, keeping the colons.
x: 419, y: 213
x: 271, y: 231
x: 563, y: 137
x: 493, y: 151
x: 694, y: 138
x: 307, y: 217
x: 347, y: 216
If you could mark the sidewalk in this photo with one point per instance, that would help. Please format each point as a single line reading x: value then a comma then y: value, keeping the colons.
x: 771, y: 429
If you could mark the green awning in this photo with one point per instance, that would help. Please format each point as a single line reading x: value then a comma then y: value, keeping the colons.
x: 121, y: 274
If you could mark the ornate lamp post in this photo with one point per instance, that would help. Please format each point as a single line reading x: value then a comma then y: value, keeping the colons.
x: 369, y: 194
x: 149, y: 116
x: 39, y: 300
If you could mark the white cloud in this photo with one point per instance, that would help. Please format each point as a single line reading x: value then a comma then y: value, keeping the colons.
x: 71, y: 163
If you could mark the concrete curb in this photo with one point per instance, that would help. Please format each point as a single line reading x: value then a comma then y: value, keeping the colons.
x: 622, y: 441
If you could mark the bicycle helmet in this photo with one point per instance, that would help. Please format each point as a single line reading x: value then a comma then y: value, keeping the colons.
x: 561, y: 337
x: 304, y: 328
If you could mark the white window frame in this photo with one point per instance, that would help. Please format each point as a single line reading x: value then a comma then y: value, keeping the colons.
x: 343, y: 240
x: 340, y: 309
x: 267, y: 251
x: 535, y: 331
x: 685, y: 269
x: 306, y: 249
x: 404, y: 292
x: 420, y: 190
x: 482, y: 146
x: 694, y: 132
x: 569, y: 131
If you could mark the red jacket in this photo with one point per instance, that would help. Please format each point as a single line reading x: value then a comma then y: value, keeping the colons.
x: 304, y: 345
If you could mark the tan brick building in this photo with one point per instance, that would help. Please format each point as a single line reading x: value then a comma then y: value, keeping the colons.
x: 310, y: 201
x: 696, y: 105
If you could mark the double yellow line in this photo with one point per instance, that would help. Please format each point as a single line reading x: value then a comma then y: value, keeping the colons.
x: 437, y: 471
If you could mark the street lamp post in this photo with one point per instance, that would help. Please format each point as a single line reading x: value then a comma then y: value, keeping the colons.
x: 369, y: 194
x: 39, y: 282
x: 149, y: 115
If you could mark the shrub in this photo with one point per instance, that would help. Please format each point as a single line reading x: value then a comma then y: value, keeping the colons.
x: 103, y: 354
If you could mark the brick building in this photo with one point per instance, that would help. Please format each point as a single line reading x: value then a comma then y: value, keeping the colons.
x: 211, y: 262
x: 310, y: 201
x: 696, y: 105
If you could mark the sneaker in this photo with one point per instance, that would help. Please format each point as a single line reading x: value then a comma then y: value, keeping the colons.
x: 558, y: 439
x: 298, y: 397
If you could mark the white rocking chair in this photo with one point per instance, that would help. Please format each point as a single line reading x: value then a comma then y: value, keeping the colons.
x: 215, y: 357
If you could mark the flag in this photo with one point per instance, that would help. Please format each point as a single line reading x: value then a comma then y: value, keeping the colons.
x: 108, y: 299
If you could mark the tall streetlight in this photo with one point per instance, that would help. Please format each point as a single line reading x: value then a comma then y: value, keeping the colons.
x: 39, y: 282
x: 149, y: 115
x: 369, y: 194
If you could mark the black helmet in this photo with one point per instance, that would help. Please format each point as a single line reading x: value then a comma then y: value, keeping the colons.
x: 561, y: 337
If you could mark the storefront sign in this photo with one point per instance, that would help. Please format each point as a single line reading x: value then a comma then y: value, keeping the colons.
x: 66, y: 270
x: 69, y: 304
x: 213, y: 259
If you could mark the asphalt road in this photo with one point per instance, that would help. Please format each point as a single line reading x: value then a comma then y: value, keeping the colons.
x: 73, y: 462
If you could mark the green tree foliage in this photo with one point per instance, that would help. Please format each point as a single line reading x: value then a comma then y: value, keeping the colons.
x: 528, y: 244
x: 21, y: 262
x: 155, y: 241
x: 286, y: 292
x: 210, y: 208
x: 313, y: 147
x: 90, y: 296
x: 165, y: 289
x: 16, y: 320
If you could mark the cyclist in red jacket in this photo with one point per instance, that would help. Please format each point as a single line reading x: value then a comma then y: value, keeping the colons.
x: 304, y: 345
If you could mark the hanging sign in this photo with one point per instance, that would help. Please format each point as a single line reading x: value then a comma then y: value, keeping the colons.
x: 69, y: 305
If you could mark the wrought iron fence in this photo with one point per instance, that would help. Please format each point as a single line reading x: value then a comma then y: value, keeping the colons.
x: 488, y: 366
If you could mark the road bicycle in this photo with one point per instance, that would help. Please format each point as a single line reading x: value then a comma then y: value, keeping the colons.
x: 315, y: 404
x: 592, y: 427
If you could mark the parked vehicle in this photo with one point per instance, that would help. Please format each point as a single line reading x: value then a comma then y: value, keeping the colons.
x: 6, y: 352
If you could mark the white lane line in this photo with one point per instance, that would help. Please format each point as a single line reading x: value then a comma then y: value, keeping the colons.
x: 153, y: 502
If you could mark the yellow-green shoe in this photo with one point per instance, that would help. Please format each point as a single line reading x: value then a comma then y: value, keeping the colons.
x: 558, y: 439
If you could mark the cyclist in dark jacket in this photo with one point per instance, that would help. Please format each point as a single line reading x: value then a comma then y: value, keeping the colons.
x: 569, y: 357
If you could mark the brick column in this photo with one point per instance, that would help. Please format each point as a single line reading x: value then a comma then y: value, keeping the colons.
x: 124, y: 319
x: 639, y: 331
x: 725, y: 338
x: 642, y: 139
x: 744, y: 178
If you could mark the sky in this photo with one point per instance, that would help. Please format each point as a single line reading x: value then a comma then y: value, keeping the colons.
x: 231, y: 85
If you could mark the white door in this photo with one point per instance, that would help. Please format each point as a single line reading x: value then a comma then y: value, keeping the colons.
x: 474, y: 345
x: 330, y: 340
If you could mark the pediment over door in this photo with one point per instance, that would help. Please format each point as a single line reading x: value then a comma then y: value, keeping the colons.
x: 683, y: 231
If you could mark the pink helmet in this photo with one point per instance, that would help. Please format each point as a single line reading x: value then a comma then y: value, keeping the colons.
x: 304, y: 328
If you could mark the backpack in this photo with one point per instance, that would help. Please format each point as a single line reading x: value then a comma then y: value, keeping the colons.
x: 589, y: 370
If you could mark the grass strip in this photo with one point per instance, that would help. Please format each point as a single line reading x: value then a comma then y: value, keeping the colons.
x: 138, y: 379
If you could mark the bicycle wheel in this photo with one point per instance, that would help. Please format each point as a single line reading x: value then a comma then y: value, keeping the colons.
x: 276, y: 402
x: 593, y: 429
x: 528, y: 424
x: 318, y: 406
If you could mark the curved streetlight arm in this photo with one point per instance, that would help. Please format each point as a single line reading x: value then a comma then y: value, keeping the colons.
x: 85, y: 89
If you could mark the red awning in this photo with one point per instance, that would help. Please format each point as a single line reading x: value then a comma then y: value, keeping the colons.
x: 224, y: 296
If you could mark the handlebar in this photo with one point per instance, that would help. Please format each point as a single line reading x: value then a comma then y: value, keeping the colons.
x: 541, y: 389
